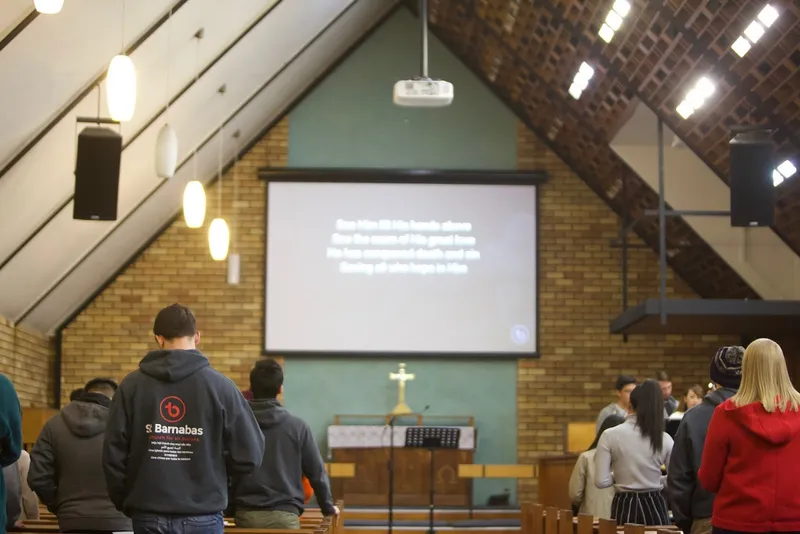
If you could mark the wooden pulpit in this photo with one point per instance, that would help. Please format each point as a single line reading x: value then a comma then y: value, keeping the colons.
x: 357, y: 439
x: 554, y: 473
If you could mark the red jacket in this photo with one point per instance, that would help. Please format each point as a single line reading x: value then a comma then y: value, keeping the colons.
x: 751, y: 460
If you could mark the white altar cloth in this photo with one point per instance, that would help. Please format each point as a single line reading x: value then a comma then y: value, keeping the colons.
x: 377, y: 436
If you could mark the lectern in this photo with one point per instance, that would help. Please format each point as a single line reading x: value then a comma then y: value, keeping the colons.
x: 432, y: 438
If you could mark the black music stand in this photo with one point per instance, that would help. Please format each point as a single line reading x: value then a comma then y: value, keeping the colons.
x: 432, y: 438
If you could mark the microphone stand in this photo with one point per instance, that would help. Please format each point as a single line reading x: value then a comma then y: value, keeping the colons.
x: 391, y: 472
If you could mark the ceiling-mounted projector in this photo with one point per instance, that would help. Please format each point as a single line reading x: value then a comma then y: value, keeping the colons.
x: 423, y: 93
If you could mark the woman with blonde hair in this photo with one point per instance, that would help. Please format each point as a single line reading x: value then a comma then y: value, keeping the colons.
x: 751, y: 458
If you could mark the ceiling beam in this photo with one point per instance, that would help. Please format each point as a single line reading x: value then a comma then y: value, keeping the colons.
x: 18, y: 28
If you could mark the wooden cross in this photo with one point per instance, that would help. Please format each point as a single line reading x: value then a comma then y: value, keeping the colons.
x: 402, y: 377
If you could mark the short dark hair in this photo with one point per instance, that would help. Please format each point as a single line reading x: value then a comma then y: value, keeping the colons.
x: 266, y: 379
x: 76, y: 394
x: 101, y: 385
x: 174, y: 322
x: 662, y: 376
x: 624, y: 380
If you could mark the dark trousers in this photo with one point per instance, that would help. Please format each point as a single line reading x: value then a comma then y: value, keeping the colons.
x: 170, y: 524
x: 645, y: 508
x: 724, y: 531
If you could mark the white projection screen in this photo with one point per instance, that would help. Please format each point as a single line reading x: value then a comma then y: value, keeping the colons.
x: 401, y: 263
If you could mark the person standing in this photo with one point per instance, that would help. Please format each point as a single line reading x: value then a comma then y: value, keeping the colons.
x: 751, y: 453
x: 273, y: 496
x: 10, y: 437
x: 66, y: 470
x: 625, y: 384
x: 691, y: 504
x: 630, y: 457
x: 670, y: 402
x: 585, y: 495
x: 176, y: 431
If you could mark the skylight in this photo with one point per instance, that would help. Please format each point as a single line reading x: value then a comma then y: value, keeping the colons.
x: 614, y: 20
x: 695, y: 98
x: 581, y: 80
x: 784, y: 171
x: 755, y: 30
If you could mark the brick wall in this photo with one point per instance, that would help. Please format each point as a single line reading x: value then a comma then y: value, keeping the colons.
x: 27, y: 358
x: 580, y: 291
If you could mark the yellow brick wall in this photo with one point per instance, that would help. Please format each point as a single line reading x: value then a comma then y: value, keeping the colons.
x: 580, y: 291
x: 27, y: 358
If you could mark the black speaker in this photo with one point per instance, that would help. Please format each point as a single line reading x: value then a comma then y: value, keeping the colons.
x: 752, y: 163
x: 97, y: 174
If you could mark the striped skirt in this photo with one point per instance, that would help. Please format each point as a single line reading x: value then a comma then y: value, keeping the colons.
x: 645, y: 508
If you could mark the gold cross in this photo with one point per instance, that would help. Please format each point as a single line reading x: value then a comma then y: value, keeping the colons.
x: 402, y: 377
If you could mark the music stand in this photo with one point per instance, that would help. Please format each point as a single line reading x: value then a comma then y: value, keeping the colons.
x: 432, y: 438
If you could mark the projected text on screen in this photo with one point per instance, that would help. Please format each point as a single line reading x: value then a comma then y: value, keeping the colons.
x: 397, y: 246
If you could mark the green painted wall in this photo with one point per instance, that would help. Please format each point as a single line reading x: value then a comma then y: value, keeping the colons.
x: 350, y: 121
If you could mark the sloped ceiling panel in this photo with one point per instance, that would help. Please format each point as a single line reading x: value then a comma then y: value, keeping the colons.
x: 166, y: 63
x: 242, y: 70
x: 306, y: 59
x: 12, y: 14
x: 51, y: 61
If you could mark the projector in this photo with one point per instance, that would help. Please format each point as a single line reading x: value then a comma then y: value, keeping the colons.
x: 423, y: 93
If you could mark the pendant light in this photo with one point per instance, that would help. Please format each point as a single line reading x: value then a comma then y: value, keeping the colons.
x: 234, y: 260
x: 48, y: 7
x: 167, y: 141
x: 219, y: 235
x: 194, y: 196
x: 121, y: 83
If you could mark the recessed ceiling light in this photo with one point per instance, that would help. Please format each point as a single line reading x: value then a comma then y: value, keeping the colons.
x: 741, y: 46
x: 622, y: 7
x: 768, y: 15
x: 705, y: 87
x: 777, y: 179
x: 614, y: 20
x: 754, y: 31
x: 606, y: 33
x: 586, y: 71
x: 787, y: 169
x: 685, y: 109
x: 575, y: 91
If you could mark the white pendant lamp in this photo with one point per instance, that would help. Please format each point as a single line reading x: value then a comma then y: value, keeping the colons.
x: 121, y: 88
x: 48, y: 7
x: 166, y: 152
x: 194, y: 204
x: 219, y: 239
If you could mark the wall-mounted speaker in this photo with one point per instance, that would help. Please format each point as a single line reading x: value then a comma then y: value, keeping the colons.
x: 97, y: 174
x: 752, y: 161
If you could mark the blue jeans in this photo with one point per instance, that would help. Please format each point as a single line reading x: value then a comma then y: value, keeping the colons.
x: 176, y: 524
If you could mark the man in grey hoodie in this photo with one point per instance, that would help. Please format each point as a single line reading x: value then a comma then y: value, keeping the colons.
x: 273, y: 496
x: 66, y: 470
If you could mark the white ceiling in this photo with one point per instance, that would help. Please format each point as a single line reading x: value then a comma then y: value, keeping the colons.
x: 265, y: 53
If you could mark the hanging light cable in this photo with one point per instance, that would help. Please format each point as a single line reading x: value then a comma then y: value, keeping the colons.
x: 121, y: 82
x: 167, y: 141
x: 194, y: 196
x: 48, y: 7
x: 219, y: 236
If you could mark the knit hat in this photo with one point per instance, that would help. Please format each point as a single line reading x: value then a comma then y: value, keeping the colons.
x: 726, y: 367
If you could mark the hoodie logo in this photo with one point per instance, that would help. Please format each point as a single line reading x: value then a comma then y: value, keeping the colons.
x: 172, y: 409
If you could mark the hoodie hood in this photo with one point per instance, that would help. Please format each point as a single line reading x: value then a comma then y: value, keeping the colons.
x: 172, y: 365
x: 776, y: 428
x: 88, y: 416
x: 718, y: 396
x: 269, y: 412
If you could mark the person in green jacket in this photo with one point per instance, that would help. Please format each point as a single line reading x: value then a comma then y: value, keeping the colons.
x: 10, y: 437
